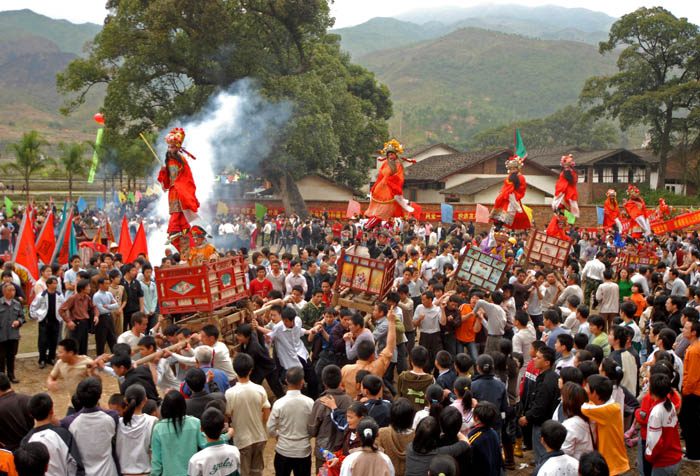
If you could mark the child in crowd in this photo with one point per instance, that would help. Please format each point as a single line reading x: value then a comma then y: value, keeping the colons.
x: 600, y: 338
x: 446, y: 375
x: 217, y: 458
x: 413, y: 383
x: 485, y: 443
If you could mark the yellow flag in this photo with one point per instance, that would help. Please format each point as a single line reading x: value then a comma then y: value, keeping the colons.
x: 149, y: 191
x: 221, y: 209
x: 122, y: 197
x: 528, y: 212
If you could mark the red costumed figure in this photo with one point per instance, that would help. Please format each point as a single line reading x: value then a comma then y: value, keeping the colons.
x: 176, y: 178
x: 565, y: 193
x: 557, y: 227
x: 507, y: 210
x: 386, y: 196
x: 637, y: 209
x: 611, y: 215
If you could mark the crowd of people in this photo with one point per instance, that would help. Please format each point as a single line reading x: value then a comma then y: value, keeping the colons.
x: 443, y: 378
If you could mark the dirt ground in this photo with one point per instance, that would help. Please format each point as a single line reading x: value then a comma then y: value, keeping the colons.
x: 33, y: 380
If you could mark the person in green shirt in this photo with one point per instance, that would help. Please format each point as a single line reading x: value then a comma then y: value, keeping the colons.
x: 624, y: 284
x: 596, y: 324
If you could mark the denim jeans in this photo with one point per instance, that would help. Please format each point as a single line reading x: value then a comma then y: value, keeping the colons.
x: 470, y: 348
x: 666, y: 470
x: 538, y: 448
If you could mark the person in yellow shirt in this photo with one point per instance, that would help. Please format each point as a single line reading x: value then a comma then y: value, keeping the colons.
x: 605, y: 413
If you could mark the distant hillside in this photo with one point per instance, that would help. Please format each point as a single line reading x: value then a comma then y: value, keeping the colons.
x: 450, y: 88
x: 581, y: 18
x: 33, y: 48
x: 68, y: 36
x: 546, y: 23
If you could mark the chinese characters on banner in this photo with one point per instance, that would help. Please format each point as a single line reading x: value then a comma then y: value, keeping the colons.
x: 340, y: 213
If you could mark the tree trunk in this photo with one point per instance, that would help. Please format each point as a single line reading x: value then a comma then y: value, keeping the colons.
x: 287, y: 189
x: 665, y: 146
x: 26, y: 186
x: 70, y: 188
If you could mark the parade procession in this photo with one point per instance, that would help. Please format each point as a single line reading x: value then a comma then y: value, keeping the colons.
x: 244, y: 238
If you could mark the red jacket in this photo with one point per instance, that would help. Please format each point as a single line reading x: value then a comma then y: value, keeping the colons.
x: 648, y: 403
x: 663, y: 447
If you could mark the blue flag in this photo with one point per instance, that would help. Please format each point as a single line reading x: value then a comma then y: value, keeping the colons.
x: 223, y: 179
x: 601, y: 214
x: 82, y: 204
x: 100, y: 203
x: 446, y: 212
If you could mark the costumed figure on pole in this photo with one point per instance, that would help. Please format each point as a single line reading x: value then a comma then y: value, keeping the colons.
x: 637, y: 209
x: 565, y: 198
x: 508, y: 210
x: 611, y: 212
x: 565, y: 193
x: 176, y: 178
x: 201, y: 252
x: 386, y: 196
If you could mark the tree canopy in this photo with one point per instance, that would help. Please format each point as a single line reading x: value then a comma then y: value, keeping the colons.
x: 569, y: 126
x: 163, y: 59
x: 657, y: 83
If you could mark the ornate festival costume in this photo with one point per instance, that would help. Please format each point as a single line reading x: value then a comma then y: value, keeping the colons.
x: 557, y: 227
x: 507, y: 210
x: 565, y: 193
x: 637, y: 209
x: 611, y: 216
x: 386, y: 196
x: 176, y: 179
x: 201, y: 251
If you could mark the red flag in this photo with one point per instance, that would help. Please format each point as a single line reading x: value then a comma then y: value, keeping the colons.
x: 417, y: 211
x: 62, y: 234
x: 354, y: 208
x: 124, y: 239
x: 140, y: 245
x: 46, y: 241
x: 110, y: 233
x: 24, y: 256
x: 482, y: 214
x: 98, y: 236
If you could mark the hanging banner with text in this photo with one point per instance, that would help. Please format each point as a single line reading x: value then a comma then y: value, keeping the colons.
x: 681, y: 221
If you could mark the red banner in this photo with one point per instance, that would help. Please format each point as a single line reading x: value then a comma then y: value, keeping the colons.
x: 681, y: 221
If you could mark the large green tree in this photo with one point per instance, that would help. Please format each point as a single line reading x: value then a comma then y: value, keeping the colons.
x: 569, y: 126
x: 657, y: 83
x: 163, y: 59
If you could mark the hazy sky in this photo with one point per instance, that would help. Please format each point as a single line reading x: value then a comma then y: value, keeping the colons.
x: 352, y: 12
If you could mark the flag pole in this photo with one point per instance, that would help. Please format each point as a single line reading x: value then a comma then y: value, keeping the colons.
x: 148, y: 144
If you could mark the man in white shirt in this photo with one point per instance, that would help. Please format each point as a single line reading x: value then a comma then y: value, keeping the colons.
x: 295, y: 278
x: 209, y: 335
x: 592, y: 273
x: 70, y: 277
x: 427, y: 318
x: 675, y: 285
x: 572, y: 289
x: 289, y: 422
x: 139, y: 322
x: 494, y: 319
x: 641, y: 278
x: 608, y: 297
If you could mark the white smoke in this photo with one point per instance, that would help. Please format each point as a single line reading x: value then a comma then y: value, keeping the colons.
x: 236, y: 128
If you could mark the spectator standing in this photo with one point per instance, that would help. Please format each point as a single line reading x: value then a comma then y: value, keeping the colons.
x: 427, y: 318
x: 70, y: 277
x: 150, y: 296
x: 249, y: 410
x: 690, y: 409
x: 15, y: 419
x: 11, y: 319
x: 543, y: 400
x: 555, y: 462
x: 176, y: 437
x: 217, y: 458
x: 94, y: 430
x: 367, y: 460
x: 133, y: 293
x: 289, y: 423
x: 65, y: 457
x: 608, y: 297
x: 76, y: 312
x: 105, y: 304
x: 134, y: 433
x: 44, y: 309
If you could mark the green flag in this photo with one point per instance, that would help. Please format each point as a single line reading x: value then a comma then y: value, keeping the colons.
x: 95, y: 158
x: 260, y: 211
x: 519, y: 147
x: 8, y: 207
x: 132, y: 197
x: 570, y: 219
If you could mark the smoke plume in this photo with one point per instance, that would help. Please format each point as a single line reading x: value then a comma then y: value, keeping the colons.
x: 236, y: 128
